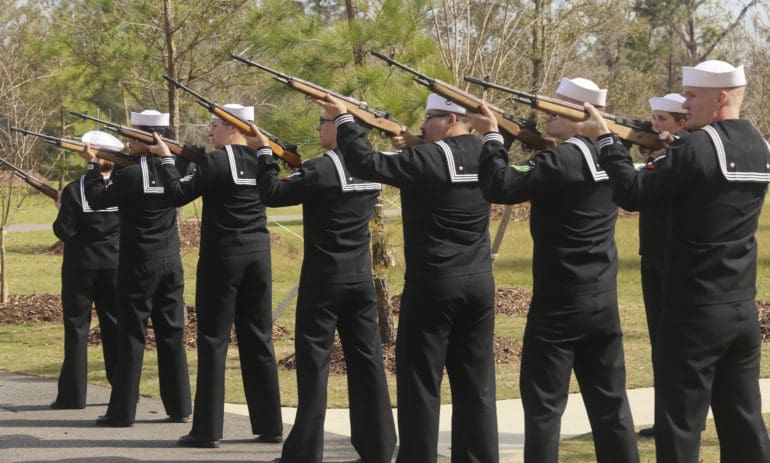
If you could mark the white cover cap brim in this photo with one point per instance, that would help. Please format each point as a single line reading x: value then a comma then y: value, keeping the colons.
x: 102, y: 140
x: 244, y: 112
x: 150, y: 118
x: 671, y: 102
x: 713, y: 74
x: 440, y: 103
x: 582, y: 90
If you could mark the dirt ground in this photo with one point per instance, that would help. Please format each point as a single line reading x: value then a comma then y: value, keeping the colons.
x: 46, y: 308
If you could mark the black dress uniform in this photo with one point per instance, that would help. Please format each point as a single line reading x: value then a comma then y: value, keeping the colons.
x: 709, y: 339
x: 89, y: 276
x: 233, y: 284
x: 150, y: 286
x: 652, y: 239
x: 573, y: 320
x: 336, y: 291
x: 447, y: 306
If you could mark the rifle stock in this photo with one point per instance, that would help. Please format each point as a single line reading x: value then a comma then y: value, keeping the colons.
x: 191, y: 153
x: 32, y: 181
x: 360, y: 110
x: 115, y: 157
x: 518, y: 128
x: 637, y: 132
x: 285, y: 151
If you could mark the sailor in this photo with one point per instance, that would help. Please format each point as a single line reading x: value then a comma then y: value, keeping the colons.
x: 447, y: 306
x: 150, y: 281
x: 233, y: 281
x: 708, y: 343
x: 573, y: 321
x: 336, y: 293
x: 89, y: 276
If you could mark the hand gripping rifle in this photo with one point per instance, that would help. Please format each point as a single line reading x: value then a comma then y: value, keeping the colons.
x: 374, y: 118
x: 115, y: 157
x: 638, y: 132
x: 285, y: 151
x: 34, y: 182
x: 508, y: 124
x: 189, y: 152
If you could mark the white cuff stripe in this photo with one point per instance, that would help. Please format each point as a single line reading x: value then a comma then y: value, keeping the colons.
x: 604, y: 142
x: 343, y: 119
x: 492, y: 136
x: 264, y: 152
x: 167, y: 160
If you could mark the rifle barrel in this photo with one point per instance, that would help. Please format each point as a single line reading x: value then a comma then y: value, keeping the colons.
x: 32, y: 181
x: 262, y: 66
x: 393, y: 62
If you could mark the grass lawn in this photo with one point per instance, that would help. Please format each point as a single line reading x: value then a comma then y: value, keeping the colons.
x: 37, y: 348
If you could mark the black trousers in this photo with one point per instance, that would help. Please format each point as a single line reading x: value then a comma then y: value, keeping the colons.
x: 151, y: 290
x: 236, y: 289
x: 82, y: 288
x: 351, y: 308
x: 582, y: 334
x: 447, y: 322
x: 652, y: 293
x: 710, y: 355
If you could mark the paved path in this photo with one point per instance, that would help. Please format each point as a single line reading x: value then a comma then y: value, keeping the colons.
x: 30, y: 431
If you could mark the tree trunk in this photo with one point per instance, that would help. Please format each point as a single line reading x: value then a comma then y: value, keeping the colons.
x: 173, y: 103
x: 3, y: 279
x: 351, y: 11
x: 381, y: 263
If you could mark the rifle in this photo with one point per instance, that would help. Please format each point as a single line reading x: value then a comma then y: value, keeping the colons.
x: 191, y: 153
x: 515, y: 127
x: 634, y: 131
x: 374, y: 118
x: 286, y: 151
x: 34, y: 182
x: 115, y: 157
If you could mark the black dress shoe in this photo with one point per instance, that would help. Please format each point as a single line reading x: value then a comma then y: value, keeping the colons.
x: 192, y: 441
x: 110, y: 422
x: 647, y: 432
x: 266, y: 439
x: 179, y: 419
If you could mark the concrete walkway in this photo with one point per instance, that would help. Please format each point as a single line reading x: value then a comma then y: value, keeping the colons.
x: 30, y: 431
x: 510, y: 419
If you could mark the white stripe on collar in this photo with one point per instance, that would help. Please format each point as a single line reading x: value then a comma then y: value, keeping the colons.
x: 87, y: 207
x: 146, y: 178
x: 345, y: 181
x: 454, y: 177
x: 596, y: 172
x: 234, y: 170
x: 760, y: 177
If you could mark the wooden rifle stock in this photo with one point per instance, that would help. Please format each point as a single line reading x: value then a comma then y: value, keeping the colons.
x: 633, y: 131
x: 285, y: 151
x: 360, y: 110
x: 115, y: 157
x: 518, y: 128
x: 190, y: 153
x: 34, y: 182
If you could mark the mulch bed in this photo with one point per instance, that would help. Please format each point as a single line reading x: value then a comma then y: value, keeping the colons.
x: 46, y: 308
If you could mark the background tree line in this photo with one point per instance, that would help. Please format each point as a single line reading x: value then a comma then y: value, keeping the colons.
x: 106, y: 57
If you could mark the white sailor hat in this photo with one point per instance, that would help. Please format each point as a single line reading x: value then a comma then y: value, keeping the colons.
x: 102, y: 140
x: 244, y: 112
x: 671, y: 102
x: 440, y: 103
x: 149, y: 118
x: 582, y: 90
x: 713, y: 74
